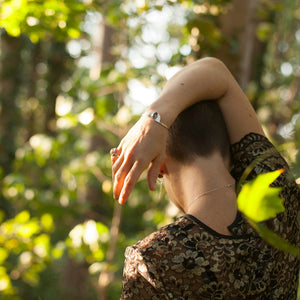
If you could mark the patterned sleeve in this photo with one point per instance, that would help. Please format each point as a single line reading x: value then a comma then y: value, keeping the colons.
x: 138, y: 283
x: 257, y: 151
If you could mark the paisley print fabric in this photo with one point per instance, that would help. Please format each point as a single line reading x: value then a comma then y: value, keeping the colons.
x: 189, y: 260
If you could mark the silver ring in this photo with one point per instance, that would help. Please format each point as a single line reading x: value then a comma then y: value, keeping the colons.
x: 113, y: 152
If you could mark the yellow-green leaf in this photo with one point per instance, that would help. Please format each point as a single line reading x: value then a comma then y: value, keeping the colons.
x: 258, y: 201
x: 47, y: 222
x: 3, y: 255
x: 28, y: 229
x: 22, y: 217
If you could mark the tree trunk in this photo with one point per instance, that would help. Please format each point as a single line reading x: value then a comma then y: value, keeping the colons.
x: 32, y: 87
x: 10, y: 121
x: 10, y: 81
x: 248, y: 41
x: 106, y: 59
x: 103, y: 46
x: 57, y: 62
x: 240, y: 52
x: 74, y: 285
x: 106, y: 276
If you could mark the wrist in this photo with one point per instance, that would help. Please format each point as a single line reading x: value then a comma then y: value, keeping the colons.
x: 167, y: 111
x: 155, y: 116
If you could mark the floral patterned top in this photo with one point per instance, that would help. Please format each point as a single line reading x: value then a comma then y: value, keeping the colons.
x: 189, y: 260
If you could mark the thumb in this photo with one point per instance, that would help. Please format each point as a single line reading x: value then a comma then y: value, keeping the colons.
x: 153, y: 172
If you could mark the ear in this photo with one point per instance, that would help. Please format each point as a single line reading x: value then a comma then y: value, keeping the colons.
x: 163, y: 169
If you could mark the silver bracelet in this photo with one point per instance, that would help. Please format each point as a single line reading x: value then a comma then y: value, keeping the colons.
x: 156, y: 117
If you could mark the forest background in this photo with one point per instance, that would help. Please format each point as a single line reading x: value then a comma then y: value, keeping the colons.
x: 74, y: 76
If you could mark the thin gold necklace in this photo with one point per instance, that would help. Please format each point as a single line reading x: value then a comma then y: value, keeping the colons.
x: 210, y: 191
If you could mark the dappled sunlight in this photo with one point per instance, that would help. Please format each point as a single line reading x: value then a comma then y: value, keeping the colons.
x: 74, y: 77
x: 86, y: 117
x: 90, y: 235
x: 63, y: 105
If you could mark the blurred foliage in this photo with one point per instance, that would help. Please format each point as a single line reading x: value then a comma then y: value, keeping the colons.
x: 59, y: 118
x: 43, y: 19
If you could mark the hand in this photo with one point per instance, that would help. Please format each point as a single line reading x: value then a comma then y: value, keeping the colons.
x: 144, y: 144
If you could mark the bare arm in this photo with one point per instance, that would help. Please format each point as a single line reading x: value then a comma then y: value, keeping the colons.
x: 207, y: 79
x: 145, y: 143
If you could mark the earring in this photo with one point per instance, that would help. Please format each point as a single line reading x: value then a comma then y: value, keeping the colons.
x: 160, y: 177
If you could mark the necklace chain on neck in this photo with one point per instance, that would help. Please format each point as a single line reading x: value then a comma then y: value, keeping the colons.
x: 213, y: 190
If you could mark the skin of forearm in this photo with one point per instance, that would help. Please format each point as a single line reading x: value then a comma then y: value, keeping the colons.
x: 202, y: 80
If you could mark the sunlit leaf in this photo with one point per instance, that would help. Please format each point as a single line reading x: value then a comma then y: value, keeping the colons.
x: 22, y: 217
x: 4, y: 282
x: 11, y: 244
x: 73, y: 33
x: 98, y: 255
x: 3, y: 255
x: 58, y: 250
x: 28, y: 230
x: 258, y: 201
x: 42, y: 245
x: 47, y: 222
x: 101, y: 228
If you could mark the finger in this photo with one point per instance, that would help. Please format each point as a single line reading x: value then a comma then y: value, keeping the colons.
x: 117, y: 181
x: 116, y: 162
x: 113, y: 151
x: 130, y: 181
x: 153, y: 172
x: 115, y: 155
x: 119, y: 177
x: 113, y: 159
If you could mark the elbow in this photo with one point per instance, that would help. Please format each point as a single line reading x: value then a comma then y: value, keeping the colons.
x: 213, y: 63
x: 217, y: 70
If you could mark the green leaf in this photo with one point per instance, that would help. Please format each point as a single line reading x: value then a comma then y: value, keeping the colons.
x: 73, y: 33
x: 47, y: 222
x: 3, y: 255
x: 22, y: 217
x: 28, y: 230
x: 258, y: 201
x: 101, y: 228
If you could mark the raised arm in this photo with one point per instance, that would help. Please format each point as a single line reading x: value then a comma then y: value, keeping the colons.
x: 145, y: 143
x: 206, y: 79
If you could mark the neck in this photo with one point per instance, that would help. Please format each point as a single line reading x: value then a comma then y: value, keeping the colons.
x: 228, y: 185
x: 206, y: 190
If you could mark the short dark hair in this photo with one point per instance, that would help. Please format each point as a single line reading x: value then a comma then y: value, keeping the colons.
x: 199, y: 130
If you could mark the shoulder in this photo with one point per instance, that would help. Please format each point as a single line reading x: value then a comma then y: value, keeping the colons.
x: 252, y: 143
x: 159, y: 248
x: 258, y: 154
x: 164, y: 240
x: 254, y: 154
x: 150, y: 258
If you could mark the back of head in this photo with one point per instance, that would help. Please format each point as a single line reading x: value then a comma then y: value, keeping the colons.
x: 199, y: 130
